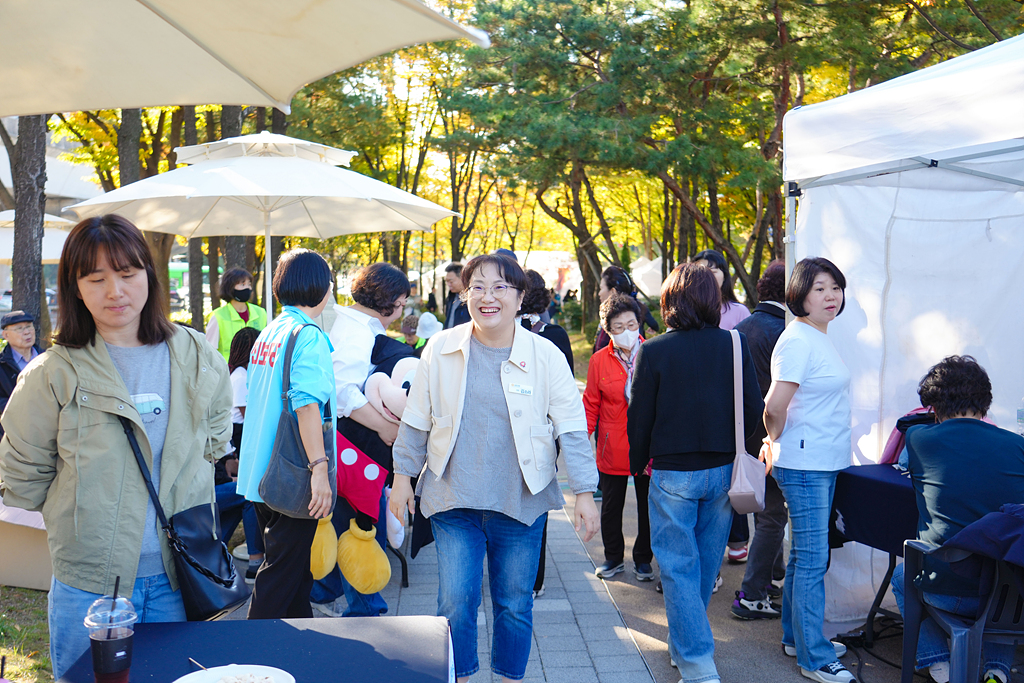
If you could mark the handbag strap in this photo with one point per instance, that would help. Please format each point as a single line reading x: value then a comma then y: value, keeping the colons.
x: 127, y: 424
x: 286, y: 374
x: 737, y: 390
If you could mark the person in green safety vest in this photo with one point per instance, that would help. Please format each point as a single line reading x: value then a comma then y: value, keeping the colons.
x: 236, y: 289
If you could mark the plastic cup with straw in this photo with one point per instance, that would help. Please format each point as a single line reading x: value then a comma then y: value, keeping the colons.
x: 110, y: 621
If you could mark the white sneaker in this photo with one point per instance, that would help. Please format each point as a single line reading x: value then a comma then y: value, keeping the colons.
x: 790, y: 650
x: 326, y: 608
x: 241, y: 552
x: 830, y: 673
x: 939, y: 672
x: 718, y: 584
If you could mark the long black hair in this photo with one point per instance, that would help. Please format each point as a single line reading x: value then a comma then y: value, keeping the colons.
x: 716, y: 258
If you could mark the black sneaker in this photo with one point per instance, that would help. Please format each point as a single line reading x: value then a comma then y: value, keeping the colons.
x: 773, y: 591
x: 610, y: 569
x: 830, y: 673
x: 753, y: 609
x: 250, y: 573
x: 658, y: 588
x: 643, y: 571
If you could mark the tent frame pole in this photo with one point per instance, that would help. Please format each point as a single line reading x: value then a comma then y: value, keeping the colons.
x: 268, y: 302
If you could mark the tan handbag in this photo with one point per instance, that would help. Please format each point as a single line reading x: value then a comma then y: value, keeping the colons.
x: 746, y: 492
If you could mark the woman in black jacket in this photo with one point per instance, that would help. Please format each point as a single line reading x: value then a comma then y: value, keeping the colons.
x: 681, y: 415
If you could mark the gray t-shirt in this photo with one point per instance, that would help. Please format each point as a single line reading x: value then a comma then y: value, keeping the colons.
x: 483, y: 472
x: 146, y: 371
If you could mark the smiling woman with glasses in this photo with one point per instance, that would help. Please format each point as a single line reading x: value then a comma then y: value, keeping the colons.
x: 485, y: 409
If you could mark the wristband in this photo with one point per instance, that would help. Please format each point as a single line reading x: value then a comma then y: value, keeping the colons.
x: 315, y: 463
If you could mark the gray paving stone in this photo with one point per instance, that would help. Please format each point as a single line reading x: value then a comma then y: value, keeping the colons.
x: 578, y: 674
x: 565, y: 658
x: 626, y: 677
x: 620, y: 647
x: 553, y: 605
x: 556, y: 643
x: 603, y: 631
x: 555, y: 629
x: 612, y: 664
x: 553, y: 618
x: 595, y: 607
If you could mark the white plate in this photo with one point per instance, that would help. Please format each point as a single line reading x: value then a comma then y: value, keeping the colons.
x: 214, y: 674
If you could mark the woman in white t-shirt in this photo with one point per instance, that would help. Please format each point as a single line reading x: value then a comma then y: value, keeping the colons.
x: 807, y: 416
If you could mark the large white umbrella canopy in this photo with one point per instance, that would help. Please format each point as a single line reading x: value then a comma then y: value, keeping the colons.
x: 269, y: 195
x: 54, y: 234
x: 65, y: 55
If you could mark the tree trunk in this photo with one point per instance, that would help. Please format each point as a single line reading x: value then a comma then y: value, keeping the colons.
x: 213, y: 259
x: 30, y: 201
x: 195, y: 245
x: 234, y: 245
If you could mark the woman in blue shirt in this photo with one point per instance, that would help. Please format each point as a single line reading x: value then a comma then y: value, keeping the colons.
x: 302, y: 284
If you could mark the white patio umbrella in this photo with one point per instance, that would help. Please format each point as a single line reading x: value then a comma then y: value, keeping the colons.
x: 270, y: 195
x: 54, y: 234
x: 63, y: 55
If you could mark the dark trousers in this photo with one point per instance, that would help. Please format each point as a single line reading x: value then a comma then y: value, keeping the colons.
x: 764, y: 560
x: 284, y: 579
x: 613, y: 499
x: 739, y: 532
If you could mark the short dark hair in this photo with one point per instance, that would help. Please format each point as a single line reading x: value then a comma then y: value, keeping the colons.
x: 378, y: 286
x: 509, y: 270
x: 122, y: 243
x: 690, y: 298
x: 618, y: 280
x: 955, y: 386
x: 241, y: 347
x: 617, y: 304
x: 802, y: 280
x: 302, y: 278
x: 537, y: 296
x: 772, y: 285
x: 228, y: 280
x: 454, y: 268
x: 715, y: 257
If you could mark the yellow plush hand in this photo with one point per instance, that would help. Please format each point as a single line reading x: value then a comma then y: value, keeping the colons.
x: 324, y: 553
x: 362, y: 561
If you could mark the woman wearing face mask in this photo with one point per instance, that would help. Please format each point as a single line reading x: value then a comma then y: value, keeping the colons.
x: 615, y: 279
x: 609, y: 379
x: 235, y: 289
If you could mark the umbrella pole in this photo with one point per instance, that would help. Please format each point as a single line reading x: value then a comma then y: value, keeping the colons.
x: 268, y: 302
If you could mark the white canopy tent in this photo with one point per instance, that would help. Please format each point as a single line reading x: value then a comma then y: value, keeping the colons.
x: 914, y: 188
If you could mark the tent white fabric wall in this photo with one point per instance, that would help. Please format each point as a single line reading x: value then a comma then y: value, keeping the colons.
x: 915, y: 189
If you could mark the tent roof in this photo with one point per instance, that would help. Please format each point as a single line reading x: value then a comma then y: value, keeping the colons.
x: 974, y: 99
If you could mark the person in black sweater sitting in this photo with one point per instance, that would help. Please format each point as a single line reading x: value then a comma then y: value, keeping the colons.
x: 681, y: 414
x: 962, y: 469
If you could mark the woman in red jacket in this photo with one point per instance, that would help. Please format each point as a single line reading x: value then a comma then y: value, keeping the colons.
x: 609, y: 378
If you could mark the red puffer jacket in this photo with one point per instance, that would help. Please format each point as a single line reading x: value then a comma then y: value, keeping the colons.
x: 605, y: 403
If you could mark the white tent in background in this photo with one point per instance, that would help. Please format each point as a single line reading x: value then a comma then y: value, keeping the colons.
x: 55, y: 233
x: 915, y: 189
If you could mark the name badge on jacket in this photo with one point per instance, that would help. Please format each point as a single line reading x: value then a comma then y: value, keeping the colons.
x: 520, y: 389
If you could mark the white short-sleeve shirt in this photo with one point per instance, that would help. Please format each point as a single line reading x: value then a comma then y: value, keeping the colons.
x: 238, y: 394
x: 817, y: 434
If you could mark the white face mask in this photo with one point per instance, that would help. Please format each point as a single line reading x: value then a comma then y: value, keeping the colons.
x: 626, y: 339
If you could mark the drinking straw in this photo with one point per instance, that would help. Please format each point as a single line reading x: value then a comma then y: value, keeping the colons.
x: 3, y: 665
x: 113, y: 606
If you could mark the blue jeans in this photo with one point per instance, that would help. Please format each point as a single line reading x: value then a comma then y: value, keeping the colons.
x: 513, y: 551
x: 933, y: 643
x: 152, y: 599
x: 234, y: 509
x: 690, y: 521
x: 809, y: 496
x: 332, y: 586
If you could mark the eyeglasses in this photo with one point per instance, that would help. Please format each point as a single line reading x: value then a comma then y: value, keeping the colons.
x: 619, y: 328
x: 499, y: 291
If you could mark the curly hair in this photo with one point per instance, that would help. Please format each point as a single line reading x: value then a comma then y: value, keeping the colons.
x: 772, y: 285
x: 956, y: 386
x: 379, y: 286
x: 537, y: 296
x: 690, y: 298
x: 617, y: 304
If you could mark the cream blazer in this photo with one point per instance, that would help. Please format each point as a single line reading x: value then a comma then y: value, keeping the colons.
x: 540, y: 393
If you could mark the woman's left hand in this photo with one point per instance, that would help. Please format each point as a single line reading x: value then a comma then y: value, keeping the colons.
x: 586, y: 514
x: 320, y: 502
x: 765, y: 455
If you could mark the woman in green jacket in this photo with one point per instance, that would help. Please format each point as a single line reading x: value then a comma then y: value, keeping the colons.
x: 235, y: 289
x: 65, y: 453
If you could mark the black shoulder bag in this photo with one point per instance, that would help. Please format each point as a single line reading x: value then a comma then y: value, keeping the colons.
x: 210, y: 586
x: 286, y: 486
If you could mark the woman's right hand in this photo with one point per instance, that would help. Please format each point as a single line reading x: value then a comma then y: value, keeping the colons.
x: 765, y: 455
x: 388, y: 432
x: 320, y: 501
x: 402, y: 498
